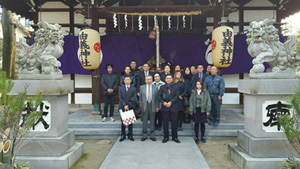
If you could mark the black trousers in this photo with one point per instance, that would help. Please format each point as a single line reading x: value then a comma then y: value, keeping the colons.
x: 158, y: 119
x: 130, y: 126
x: 180, y: 118
x: 196, y: 128
x: 109, y: 99
x: 167, y: 116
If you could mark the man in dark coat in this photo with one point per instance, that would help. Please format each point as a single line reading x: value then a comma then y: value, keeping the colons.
x: 168, y: 95
x: 200, y: 75
x: 109, y: 84
x: 142, y: 76
x: 134, y: 71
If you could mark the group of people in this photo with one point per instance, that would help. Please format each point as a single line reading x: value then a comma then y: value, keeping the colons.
x: 165, y: 97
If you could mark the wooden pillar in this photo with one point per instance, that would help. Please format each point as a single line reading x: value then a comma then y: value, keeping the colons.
x: 241, y: 30
x: 217, y: 16
x: 9, y: 44
x: 241, y: 19
x: 96, y: 77
x: 241, y: 76
x: 71, y: 20
x: 36, y: 16
x: 73, y: 94
x: 72, y: 32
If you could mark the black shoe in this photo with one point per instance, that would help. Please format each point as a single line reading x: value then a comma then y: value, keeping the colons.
x: 210, y: 123
x: 197, y: 141
x: 143, y: 138
x: 216, y: 124
x: 130, y: 138
x: 159, y: 128
x: 180, y: 129
x: 165, y: 140
x: 202, y: 140
x: 122, y: 138
x: 176, y: 140
x: 153, y: 139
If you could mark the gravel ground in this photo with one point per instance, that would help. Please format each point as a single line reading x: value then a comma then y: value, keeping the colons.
x: 95, y: 153
x: 215, y: 153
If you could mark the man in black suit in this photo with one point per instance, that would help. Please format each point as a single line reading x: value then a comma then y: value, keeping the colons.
x: 128, y: 100
x: 200, y: 75
x: 168, y: 96
x: 142, y: 75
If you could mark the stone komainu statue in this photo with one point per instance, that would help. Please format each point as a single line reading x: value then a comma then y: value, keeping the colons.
x: 264, y: 46
x: 41, y: 57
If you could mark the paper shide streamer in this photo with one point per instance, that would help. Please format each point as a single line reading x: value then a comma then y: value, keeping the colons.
x: 126, y: 21
x: 115, y: 21
x: 169, y: 22
x: 140, y: 23
x: 183, y: 19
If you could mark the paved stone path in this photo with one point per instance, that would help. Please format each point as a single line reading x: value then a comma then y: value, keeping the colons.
x: 155, y: 155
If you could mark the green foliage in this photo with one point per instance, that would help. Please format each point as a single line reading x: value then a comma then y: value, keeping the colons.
x: 290, y: 125
x: 11, y: 108
x: 24, y: 165
x: 297, y: 46
x: 287, y: 123
x: 291, y: 163
x: 1, y: 48
x: 21, y: 165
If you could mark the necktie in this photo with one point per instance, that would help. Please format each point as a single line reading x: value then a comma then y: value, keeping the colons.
x: 201, y: 77
x: 127, y: 88
x: 149, y: 95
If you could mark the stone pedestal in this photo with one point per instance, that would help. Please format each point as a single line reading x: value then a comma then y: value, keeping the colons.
x: 54, y: 148
x: 259, y: 147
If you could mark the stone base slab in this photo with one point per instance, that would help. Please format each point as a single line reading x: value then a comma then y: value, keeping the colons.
x: 61, y: 162
x: 267, y: 86
x: 265, y: 147
x: 273, y: 75
x: 245, y: 161
x: 40, y: 76
x: 47, y: 87
x: 46, y: 146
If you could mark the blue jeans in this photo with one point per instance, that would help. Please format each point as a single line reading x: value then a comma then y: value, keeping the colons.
x: 215, y: 108
x: 107, y: 99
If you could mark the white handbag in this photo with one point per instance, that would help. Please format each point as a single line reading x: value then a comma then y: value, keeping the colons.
x: 128, y: 117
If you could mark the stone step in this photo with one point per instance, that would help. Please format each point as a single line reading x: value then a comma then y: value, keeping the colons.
x: 93, y: 125
x: 214, y: 134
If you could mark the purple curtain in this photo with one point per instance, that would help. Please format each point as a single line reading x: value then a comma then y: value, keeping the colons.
x: 181, y: 49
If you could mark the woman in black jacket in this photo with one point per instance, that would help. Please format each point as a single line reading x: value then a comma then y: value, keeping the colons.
x: 187, y: 76
x: 179, y: 82
x: 127, y: 72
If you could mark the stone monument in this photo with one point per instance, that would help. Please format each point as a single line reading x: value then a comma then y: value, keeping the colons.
x: 49, y: 144
x: 262, y: 144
